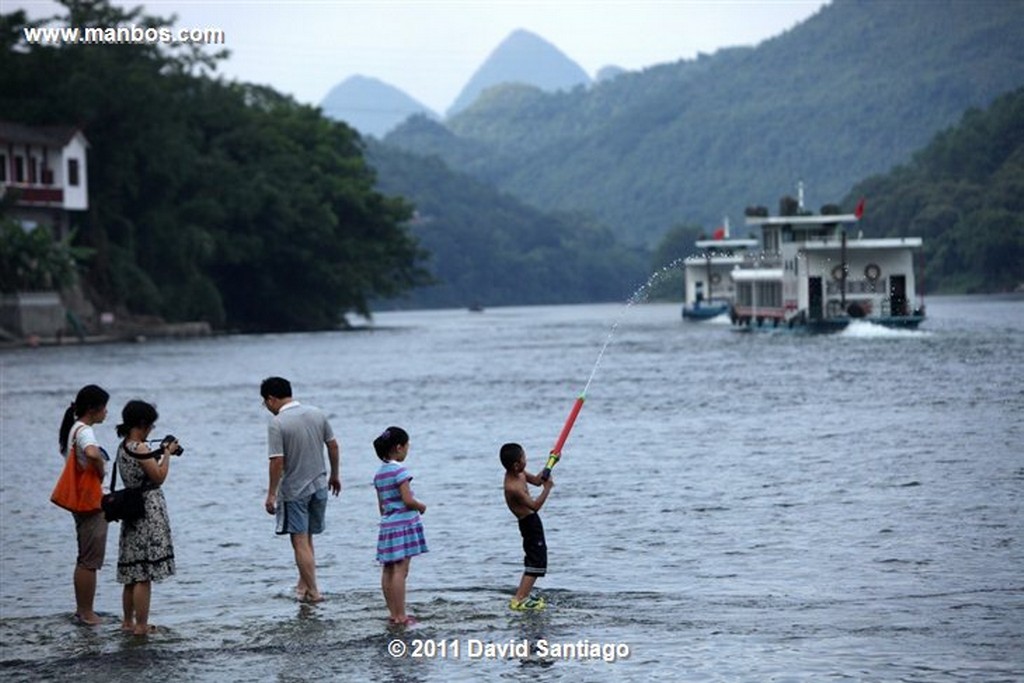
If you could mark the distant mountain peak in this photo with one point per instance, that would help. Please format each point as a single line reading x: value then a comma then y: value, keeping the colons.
x: 370, y: 105
x: 523, y: 57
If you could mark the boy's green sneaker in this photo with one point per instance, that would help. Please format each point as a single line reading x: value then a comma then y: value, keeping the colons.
x: 530, y: 604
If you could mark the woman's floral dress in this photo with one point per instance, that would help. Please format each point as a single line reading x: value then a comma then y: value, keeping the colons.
x: 146, y: 552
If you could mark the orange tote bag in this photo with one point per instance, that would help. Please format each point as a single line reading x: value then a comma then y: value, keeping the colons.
x: 77, y: 489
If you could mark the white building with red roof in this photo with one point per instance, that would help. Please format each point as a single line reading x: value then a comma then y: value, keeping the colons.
x: 44, y: 168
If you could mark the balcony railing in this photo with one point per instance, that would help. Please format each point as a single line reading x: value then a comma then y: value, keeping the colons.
x: 36, y: 196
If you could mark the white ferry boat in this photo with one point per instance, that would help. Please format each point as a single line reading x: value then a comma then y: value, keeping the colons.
x: 709, y: 290
x: 812, y: 275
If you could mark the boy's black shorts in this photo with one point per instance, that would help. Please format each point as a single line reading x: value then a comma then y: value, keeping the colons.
x: 536, y: 559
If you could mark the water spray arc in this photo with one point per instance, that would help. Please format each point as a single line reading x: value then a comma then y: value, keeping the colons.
x: 639, y: 295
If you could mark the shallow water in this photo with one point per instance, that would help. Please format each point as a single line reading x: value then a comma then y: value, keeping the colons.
x: 729, y: 506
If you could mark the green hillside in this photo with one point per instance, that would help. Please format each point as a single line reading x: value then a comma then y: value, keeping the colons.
x: 849, y: 93
x: 964, y: 194
x: 487, y: 248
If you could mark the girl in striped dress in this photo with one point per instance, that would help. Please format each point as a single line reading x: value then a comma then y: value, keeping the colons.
x: 401, y: 531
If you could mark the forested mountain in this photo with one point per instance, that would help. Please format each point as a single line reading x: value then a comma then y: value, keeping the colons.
x: 523, y: 58
x: 487, y: 248
x: 964, y: 194
x: 849, y: 93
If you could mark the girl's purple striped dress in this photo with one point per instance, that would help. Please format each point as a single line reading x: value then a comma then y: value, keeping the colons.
x: 401, y: 531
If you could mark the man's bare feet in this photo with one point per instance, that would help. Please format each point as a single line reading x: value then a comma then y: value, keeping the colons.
x: 143, y: 629
x: 312, y: 597
x: 89, y: 619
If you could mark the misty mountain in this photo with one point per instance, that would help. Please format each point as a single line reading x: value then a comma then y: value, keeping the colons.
x: 370, y: 106
x: 488, y: 248
x: 848, y: 93
x: 522, y: 58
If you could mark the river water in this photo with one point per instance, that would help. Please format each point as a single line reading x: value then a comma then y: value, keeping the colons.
x: 728, y: 507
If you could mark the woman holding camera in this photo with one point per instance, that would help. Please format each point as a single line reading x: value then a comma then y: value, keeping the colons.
x: 146, y: 553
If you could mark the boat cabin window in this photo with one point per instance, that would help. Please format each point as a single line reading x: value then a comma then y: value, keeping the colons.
x: 744, y: 294
x: 769, y: 294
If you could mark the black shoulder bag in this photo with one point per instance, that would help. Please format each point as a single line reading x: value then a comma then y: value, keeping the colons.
x: 126, y: 504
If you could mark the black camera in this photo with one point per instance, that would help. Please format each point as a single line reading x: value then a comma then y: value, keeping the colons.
x: 167, y: 440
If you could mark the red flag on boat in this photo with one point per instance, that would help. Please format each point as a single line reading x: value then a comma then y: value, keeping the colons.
x: 859, y: 211
x: 719, y: 233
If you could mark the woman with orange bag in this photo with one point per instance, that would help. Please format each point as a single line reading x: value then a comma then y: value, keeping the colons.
x: 80, y: 489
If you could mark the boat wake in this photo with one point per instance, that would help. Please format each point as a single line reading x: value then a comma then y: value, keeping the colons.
x: 862, y: 329
x: 721, y: 319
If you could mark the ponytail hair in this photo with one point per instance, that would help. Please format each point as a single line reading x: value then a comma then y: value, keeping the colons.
x: 136, y: 413
x: 390, y: 439
x: 90, y: 397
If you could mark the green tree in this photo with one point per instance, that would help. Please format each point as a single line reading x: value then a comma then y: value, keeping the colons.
x: 30, y: 260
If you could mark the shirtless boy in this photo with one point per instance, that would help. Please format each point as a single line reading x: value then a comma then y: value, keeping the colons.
x: 525, y: 508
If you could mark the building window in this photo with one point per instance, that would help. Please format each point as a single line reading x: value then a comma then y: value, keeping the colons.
x: 19, y: 169
x: 3, y: 168
x: 73, y: 172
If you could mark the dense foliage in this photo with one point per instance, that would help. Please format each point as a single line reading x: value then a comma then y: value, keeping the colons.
x: 223, y: 202
x: 30, y: 260
x: 849, y: 93
x: 964, y: 194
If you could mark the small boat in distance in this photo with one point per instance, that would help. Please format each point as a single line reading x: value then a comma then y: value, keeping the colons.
x: 813, y: 276
x: 708, y: 289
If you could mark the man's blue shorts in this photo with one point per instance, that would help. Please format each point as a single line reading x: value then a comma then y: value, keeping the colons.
x: 303, y: 516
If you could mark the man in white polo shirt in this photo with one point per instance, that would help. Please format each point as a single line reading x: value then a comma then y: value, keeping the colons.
x: 297, y: 493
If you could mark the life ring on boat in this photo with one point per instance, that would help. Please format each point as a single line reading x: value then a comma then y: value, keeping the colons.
x: 715, y: 278
x: 837, y: 272
x: 872, y: 271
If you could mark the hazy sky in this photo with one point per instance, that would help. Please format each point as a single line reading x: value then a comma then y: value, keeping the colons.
x: 431, y: 48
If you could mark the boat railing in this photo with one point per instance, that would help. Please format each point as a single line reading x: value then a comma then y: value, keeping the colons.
x: 824, y: 240
x: 762, y: 260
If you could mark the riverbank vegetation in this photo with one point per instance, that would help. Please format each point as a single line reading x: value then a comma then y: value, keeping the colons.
x: 209, y: 200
